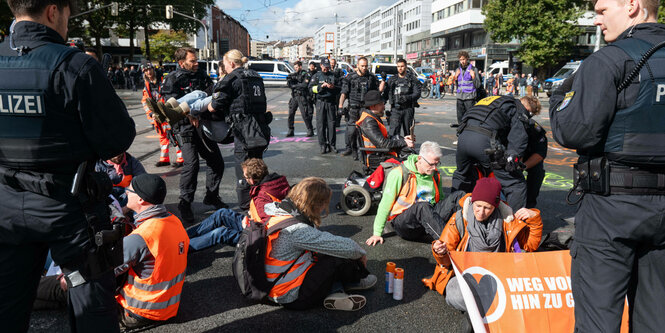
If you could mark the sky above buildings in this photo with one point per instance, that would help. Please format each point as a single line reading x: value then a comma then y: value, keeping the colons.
x: 292, y: 19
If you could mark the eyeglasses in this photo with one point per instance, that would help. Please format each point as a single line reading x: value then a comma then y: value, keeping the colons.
x: 430, y: 164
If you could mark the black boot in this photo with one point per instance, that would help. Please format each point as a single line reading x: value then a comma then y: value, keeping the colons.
x: 310, y: 133
x: 186, y: 212
x: 324, y: 149
x: 347, y: 152
x: 214, y: 200
x: 332, y: 149
x: 290, y: 133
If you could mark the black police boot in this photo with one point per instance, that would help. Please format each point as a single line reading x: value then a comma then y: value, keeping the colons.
x: 177, y: 164
x: 161, y: 164
x: 310, y: 133
x: 290, y: 133
x: 324, y: 149
x: 356, y: 155
x: 347, y: 152
x: 332, y: 149
x: 214, y: 200
x: 186, y: 213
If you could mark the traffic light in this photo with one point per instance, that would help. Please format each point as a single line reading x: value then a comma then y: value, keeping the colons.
x: 114, y: 9
x: 169, y: 12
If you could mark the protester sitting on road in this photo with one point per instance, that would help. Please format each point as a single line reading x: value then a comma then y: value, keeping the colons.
x: 483, y: 223
x: 374, y: 133
x: 121, y: 170
x: 412, y: 198
x: 320, y: 265
x: 225, y: 225
x: 154, y: 256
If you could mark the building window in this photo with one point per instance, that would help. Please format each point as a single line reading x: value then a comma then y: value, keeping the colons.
x: 457, y: 42
x: 476, y: 3
x: 478, y: 38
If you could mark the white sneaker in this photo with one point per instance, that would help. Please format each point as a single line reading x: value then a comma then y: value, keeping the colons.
x: 365, y: 283
x: 344, y: 302
x: 455, y: 143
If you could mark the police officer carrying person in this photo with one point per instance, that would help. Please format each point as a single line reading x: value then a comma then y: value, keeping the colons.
x: 495, y: 123
x: 403, y: 92
x: 612, y: 111
x: 356, y: 85
x: 58, y: 114
x: 323, y: 86
x: 185, y: 79
x: 298, y: 81
x: 536, y: 151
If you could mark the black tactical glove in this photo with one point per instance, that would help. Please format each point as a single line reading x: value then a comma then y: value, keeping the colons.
x: 512, y: 163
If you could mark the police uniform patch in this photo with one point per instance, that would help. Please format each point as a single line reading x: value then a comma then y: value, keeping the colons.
x: 22, y: 104
x: 566, y: 101
x: 488, y: 100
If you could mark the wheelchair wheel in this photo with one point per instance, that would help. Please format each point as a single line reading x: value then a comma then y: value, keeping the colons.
x: 356, y: 200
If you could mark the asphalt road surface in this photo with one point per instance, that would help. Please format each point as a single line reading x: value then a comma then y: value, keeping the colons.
x: 211, y: 301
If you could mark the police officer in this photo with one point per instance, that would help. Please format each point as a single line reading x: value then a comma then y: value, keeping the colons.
x: 241, y: 97
x: 339, y: 76
x: 403, y: 92
x: 58, y: 110
x: 536, y: 151
x: 185, y: 79
x: 312, y: 69
x: 494, y: 123
x: 356, y: 85
x: 323, y: 86
x: 298, y: 81
x: 616, y: 122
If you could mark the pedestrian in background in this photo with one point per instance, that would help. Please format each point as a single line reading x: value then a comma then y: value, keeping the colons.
x: 535, y: 85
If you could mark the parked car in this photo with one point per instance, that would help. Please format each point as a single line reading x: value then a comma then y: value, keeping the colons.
x: 565, y: 72
x: 272, y: 72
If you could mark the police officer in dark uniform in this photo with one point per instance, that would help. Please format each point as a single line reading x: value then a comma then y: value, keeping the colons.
x: 298, y: 81
x: 403, y: 92
x: 323, y: 86
x: 339, y: 77
x: 57, y: 111
x: 536, y: 151
x: 185, y: 79
x: 356, y: 85
x: 612, y: 111
x: 494, y: 123
x: 241, y: 97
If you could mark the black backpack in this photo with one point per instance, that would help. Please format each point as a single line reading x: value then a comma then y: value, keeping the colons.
x: 249, y: 260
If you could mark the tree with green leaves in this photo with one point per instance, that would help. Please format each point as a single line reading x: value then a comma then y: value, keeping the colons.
x: 661, y: 12
x: 164, y: 44
x: 92, y: 26
x: 545, y: 28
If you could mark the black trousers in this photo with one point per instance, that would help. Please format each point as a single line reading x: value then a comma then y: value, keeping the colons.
x: 471, y: 149
x: 534, y: 180
x: 50, y: 295
x: 199, y: 145
x: 351, y: 136
x: 241, y: 154
x: 30, y: 225
x: 401, y: 119
x: 306, y: 110
x: 619, y: 250
x: 420, y: 221
x: 463, y: 105
x: 320, y: 278
x: 326, y: 111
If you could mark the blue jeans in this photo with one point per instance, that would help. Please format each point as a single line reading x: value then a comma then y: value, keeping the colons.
x: 197, y: 100
x: 435, y: 90
x: 223, y: 226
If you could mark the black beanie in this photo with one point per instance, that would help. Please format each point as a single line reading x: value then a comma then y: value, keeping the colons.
x: 150, y: 188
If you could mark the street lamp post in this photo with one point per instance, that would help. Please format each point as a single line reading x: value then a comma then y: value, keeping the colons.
x: 169, y: 15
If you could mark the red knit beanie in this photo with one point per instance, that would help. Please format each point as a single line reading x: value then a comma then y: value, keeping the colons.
x: 487, y: 190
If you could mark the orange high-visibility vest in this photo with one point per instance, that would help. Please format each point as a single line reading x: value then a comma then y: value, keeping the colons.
x: 407, y: 194
x: 254, y: 213
x: 157, y: 297
x: 274, y: 267
x: 367, y: 143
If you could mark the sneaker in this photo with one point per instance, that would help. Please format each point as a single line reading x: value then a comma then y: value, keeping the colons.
x: 177, y: 164
x: 214, y: 200
x: 161, y: 164
x: 455, y: 143
x: 290, y: 133
x: 365, y: 283
x: 344, y: 302
x: 186, y: 213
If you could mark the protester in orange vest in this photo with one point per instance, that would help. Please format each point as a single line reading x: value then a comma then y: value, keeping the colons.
x: 155, y: 256
x: 487, y: 224
x: 151, y: 90
x: 225, y: 225
x: 320, y: 267
x: 412, y: 198
x: 121, y: 169
x: 374, y: 133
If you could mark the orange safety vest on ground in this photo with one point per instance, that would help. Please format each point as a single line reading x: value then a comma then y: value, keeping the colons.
x: 254, y: 213
x: 407, y: 194
x: 367, y: 143
x: 274, y: 267
x: 157, y: 297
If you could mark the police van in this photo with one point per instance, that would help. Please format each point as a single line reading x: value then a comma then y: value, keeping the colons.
x: 500, y: 68
x: 345, y: 66
x: 565, y: 72
x: 273, y: 72
x: 391, y: 69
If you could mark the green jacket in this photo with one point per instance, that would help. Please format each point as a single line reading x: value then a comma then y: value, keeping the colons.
x: 425, y: 188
